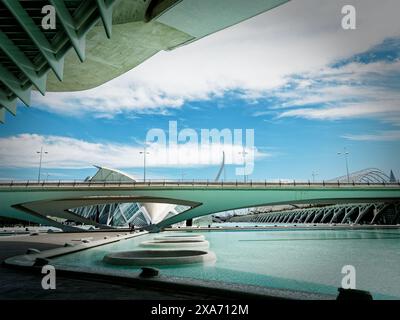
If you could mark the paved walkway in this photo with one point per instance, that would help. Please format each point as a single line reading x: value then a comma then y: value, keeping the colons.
x: 16, y: 284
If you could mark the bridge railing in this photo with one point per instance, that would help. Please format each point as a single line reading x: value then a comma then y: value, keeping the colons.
x: 188, y: 183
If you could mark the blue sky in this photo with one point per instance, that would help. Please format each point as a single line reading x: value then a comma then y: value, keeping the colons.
x: 307, y: 88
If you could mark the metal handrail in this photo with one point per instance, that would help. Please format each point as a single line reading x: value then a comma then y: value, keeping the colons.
x: 192, y: 183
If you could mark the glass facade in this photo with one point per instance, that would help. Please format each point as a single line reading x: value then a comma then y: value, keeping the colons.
x: 115, y: 214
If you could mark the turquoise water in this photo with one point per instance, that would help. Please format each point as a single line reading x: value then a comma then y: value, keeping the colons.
x: 306, y: 260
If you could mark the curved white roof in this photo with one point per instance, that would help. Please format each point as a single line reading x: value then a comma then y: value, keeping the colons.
x: 111, y: 175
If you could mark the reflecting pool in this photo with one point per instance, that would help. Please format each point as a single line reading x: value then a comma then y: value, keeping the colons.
x: 306, y: 260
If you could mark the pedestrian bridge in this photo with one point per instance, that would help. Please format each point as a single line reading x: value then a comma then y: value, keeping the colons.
x: 37, y: 202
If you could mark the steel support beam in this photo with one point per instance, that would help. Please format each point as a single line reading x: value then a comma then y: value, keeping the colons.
x: 362, y: 212
x: 336, y: 212
x: 70, y: 28
x: 39, y: 39
x: 348, y: 212
x: 2, y: 114
x: 378, y: 210
x: 12, y: 83
x: 317, y: 215
x: 9, y: 104
x: 309, y: 215
x: 24, y: 64
x: 327, y: 213
x: 106, y: 15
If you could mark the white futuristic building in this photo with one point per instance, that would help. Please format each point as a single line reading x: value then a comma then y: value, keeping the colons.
x: 124, y: 214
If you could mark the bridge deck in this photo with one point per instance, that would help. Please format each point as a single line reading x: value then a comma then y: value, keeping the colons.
x: 191, y: 184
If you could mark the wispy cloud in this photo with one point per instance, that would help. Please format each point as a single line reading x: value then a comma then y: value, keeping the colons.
x: 374, y: 109
x: 389, y: 135
x: 355, y: 90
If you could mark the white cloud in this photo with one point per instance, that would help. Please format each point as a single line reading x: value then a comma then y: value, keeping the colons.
x: 389, y: 135
x: 255, y: 56
x: 20, y: 151
x: 354, y: 81
x: 355, y: 90
x: 380, y: 109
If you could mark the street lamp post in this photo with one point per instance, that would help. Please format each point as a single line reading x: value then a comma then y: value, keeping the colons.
x: 40, y: 161
x: 183, y: 174
x: 144, y: 152
x: 314, y: 174
x: 345, y: 154
x: 243, y: 153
